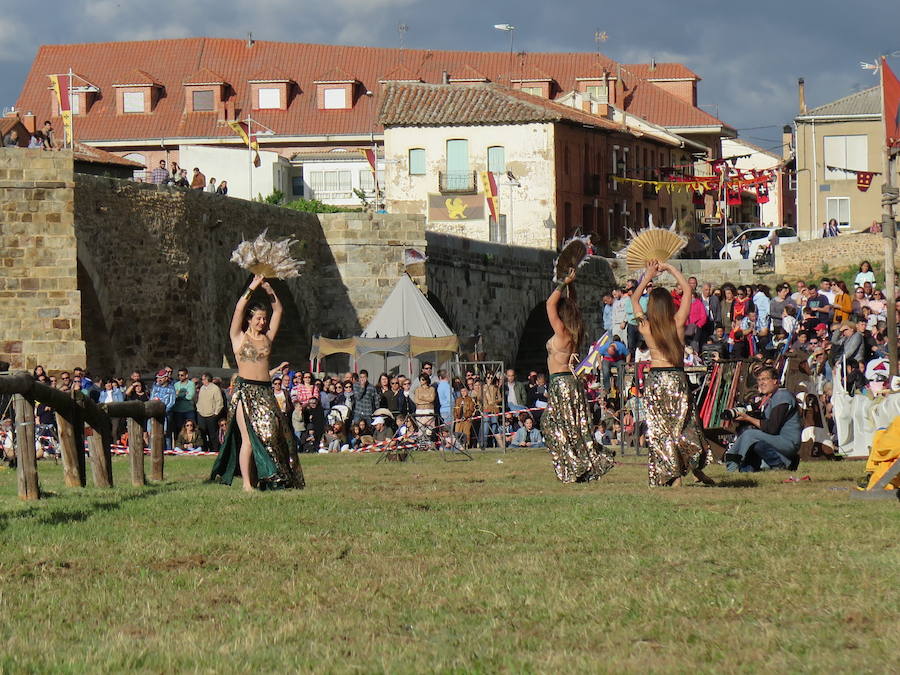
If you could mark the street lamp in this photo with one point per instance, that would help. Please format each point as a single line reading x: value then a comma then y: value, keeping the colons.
x: 509, y: 28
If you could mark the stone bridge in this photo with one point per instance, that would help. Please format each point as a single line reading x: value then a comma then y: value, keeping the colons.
x: 120, y: 275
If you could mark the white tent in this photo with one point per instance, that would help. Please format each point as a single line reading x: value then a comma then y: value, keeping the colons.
x: 406, y: 312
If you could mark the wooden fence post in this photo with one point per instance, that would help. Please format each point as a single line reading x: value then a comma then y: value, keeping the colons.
x: 71, y: 441
x: 26, y: 459
x: 95, y: 447
x: 156, y: 449
x: 136, y: 452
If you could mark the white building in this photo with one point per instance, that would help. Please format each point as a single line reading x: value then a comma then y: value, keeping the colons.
x: 553, y: 165
x: 758, y: 159
x: 235, y: 166
x: 333, y: 177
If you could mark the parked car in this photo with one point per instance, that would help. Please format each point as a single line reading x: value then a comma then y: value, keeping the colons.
x: 755, y: 238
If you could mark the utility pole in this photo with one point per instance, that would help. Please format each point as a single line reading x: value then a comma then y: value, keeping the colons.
x: 889, y: 197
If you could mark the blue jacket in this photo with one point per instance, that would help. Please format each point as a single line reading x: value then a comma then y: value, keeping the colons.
x: 445, y: 395
x: 522, y: 435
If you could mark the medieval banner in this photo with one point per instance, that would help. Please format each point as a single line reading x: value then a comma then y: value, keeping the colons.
x: 455, y: 207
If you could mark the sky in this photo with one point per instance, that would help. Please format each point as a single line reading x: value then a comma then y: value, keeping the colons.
x: 749, y: 55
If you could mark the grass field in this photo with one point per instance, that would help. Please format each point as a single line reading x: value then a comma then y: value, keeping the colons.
x: 475, y: 566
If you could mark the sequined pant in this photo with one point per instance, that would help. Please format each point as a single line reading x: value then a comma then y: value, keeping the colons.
x: 567, y: 428
x: 676, y: 440
x: 273, y: 443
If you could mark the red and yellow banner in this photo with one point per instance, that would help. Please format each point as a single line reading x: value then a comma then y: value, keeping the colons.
x: 61, y: 86
x: 490, y: 193
x: 371, y: 158
x: 240, y: 128
x: 890, y: 86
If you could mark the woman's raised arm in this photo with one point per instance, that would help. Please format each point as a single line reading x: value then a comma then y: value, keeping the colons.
x: 687, y: 294
x: 277, y: 311
x: 559, y: 328
x: 237, y: 319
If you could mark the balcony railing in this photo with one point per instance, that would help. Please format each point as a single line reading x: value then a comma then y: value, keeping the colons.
x: 457, y: 181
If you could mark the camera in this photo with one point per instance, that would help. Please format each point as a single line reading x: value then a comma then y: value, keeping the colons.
x: 730, y: 414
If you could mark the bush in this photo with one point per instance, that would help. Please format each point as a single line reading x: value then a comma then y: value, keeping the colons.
x: 315, y: 206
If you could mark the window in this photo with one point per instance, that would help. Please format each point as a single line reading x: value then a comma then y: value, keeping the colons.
x: 76, y: 104
x: 534, y: 91
x: 335, y: 98
x: 458, y: 174
x: 367, y: 180
x: 297, y: 185
x: 497, y: 230
x: 417, y: 162
x: 203, y: 100
x: 270, y: 98
x: 497, y: 159
x: 845, y: 152
x: 615, y: 166
x: 133, y: 102
x: 599, y: 93
x: 330, y: 184
x: 839, y: 209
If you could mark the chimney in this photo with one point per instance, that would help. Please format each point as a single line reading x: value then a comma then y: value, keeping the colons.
x: 28, y: 120
x: 787, y: 139
x: 619, y: 99
x: 445, y: 77
x: 250, y: 40
x: 801, y: 89
x: 652, y: 64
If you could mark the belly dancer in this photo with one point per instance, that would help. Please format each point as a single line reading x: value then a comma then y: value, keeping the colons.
x: 566, y: 423
x: 259, y: 444
x: 675, y: 437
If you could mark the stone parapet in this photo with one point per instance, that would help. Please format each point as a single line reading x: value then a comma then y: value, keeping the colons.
x: 808, y: 259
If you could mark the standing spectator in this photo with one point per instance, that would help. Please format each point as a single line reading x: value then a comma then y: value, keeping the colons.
x: 826, y: 289
x: 514, y: 392
x: 424, y: 397
x: 160, y: 173
x: 314, y: 421
x: 405, y: 403
x: 444, y: 397
x: 164, y: 391
x: 210, y: 406
x: 390, y: 399
x: 211, y: 187
x: 763, y: 307
x: 799, y: 296
x: 198, y: 181
x: 841, y: 303
x: 223, y: 188
x: 618, y: 314
x: 463, y: 410
x: 366, y: 398
x: 608, y: 313
x: 281, y: 398
x: 182, y: 180
x: 185, y: 395
x: 777, y: 304
x: 696, y: 323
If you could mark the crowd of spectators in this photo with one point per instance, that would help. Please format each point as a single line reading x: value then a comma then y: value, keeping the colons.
x: 835, y: 331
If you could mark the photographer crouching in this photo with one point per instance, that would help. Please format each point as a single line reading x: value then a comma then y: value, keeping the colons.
x: 770, y: 438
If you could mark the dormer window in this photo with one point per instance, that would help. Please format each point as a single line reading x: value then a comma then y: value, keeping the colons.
x: 467, y: 75
x: 534, y: 81
x: 138, y: 92
x: 270, y: 89
x: 133, y: 102
x: 204, y: 92
x: 203, y: 100
x: 336, y: 90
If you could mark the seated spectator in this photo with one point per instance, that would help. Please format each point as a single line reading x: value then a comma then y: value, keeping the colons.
x: 189, y: 437
x: 601, y: 434
x: 198, y: 181
x: 773, y: 439
x: 211, y: 187
x: 335, y: 439
x: 856, y: 377
x: 7, y: 442
x: 864, y: 275
x: 11, y: 140
x: 613, y: 357
x: 527, y: 436
x: 381, y: 431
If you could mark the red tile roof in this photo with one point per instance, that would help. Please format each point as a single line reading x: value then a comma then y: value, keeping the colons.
x: 531, y: 74
x: 467, y: 73
x: 138, y: 77
x: 174, y: 62
x: 481, y: 103
x: 400, y: 74
x: 205, y: 76
x: 336, y: 75
x: 270, y: 74
x: 87, y: 153
x: 661, y: 71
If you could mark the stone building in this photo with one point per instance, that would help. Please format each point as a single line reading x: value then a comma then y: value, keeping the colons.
x: 553, y: 164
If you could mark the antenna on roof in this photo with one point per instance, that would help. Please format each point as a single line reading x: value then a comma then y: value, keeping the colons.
x: 600, y: 37
x: 401, y: 29
x: 250, y: 40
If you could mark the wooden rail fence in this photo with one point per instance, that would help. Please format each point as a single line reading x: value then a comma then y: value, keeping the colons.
x: 74, y: 412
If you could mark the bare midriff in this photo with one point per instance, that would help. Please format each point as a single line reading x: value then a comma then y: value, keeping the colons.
x: 252, y: 357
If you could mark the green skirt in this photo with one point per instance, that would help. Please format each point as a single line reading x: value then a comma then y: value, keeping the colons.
x: 273, y: 443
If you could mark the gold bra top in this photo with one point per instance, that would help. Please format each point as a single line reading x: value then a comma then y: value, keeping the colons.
x: 249, y: 352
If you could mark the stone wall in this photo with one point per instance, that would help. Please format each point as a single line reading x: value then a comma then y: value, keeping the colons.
x: 156, y: 262
x: 716, y: 272
x: 806, y: 259
x: 500, y: 291
x: 39, y: 300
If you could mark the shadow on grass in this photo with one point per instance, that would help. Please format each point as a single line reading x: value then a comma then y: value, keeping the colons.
x: 737, y: 483
x: 64, y: 516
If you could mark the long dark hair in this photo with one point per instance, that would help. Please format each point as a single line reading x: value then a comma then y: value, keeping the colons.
x: 661, y: 316
x: 570, y: 315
